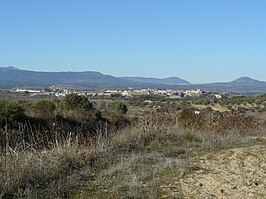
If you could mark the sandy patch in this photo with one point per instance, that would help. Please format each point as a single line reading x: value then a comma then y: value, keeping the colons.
x: 235, y: 173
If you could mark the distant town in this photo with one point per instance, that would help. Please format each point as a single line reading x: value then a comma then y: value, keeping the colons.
x: 169, y: 93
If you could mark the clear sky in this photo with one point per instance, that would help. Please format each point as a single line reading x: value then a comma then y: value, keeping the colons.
x: 198, y: 40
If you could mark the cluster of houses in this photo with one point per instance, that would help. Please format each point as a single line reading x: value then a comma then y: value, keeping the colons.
x: 171, y: 93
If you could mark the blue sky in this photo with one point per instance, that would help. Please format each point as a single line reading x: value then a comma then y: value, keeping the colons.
x: 198, y: 40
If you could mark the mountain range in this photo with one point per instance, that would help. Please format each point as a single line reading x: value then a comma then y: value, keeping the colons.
x: 244, y: 85
x: 11, y: 77
x: 168, y: 80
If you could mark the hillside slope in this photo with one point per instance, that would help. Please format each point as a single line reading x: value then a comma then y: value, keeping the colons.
x: 11, y: 77
x: 243, y: 85
x: 168, y: 81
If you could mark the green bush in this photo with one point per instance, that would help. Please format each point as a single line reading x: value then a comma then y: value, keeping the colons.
x: 11, y: 112
x: 76, y: 102
x: 119, y: 107
x: 44, y: 108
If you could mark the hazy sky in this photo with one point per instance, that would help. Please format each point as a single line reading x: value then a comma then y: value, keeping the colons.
x: 198, y: 40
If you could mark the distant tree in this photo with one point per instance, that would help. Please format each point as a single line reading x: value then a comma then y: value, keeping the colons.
x: 44, y: 108
x: 119, y: 107
x: 122, y: 108
x: 77, y: 102
x: 11, y: 112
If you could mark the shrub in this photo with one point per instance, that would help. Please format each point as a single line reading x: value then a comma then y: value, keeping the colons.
x: 11, y: 112
x: 189, y: 120
x: 119, y: 107
x: 76, y: 102
x: 44, y: 109
x: 214, y: 121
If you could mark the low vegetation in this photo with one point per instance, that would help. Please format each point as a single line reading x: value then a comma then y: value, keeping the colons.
x: 81, y: 148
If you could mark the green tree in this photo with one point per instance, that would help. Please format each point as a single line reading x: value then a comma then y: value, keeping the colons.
x: 122, y: 108
x: 44, y: 108
x: 11, y: 112
x: 76, y: 102
x: 119, y: 107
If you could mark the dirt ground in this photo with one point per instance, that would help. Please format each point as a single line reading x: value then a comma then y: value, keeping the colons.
x: 234, y: 173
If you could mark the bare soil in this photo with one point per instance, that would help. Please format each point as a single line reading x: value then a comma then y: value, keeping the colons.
x: 232, y: 173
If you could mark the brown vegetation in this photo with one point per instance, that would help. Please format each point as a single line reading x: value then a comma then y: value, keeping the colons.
x: 56, y: 152
x: 215, y: 121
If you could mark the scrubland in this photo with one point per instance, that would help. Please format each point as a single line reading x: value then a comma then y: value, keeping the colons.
x: 69, y: 149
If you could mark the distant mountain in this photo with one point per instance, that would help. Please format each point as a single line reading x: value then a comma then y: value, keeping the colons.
x: 244, y: 85
x: 11, y: 77
x: 246, y: 80
x: 168, y: 81
x: 9, y: 68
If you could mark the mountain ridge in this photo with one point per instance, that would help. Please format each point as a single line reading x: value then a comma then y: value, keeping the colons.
x: 167, y: 80
x: 12, y: 77
x: 245, y: 79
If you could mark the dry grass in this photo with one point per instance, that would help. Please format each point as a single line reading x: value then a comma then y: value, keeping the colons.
x: 133, y: 163
x: 215, y: 121
x: 45, y: 173
x: 139, y: 161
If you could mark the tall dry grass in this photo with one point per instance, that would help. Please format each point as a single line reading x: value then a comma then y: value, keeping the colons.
x: 132, y: 162
x: 138, y: 160
x: 53, y: 172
